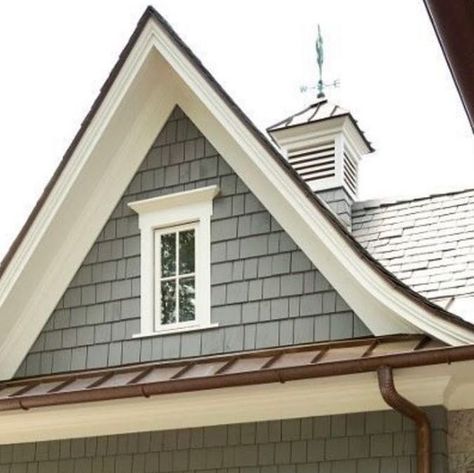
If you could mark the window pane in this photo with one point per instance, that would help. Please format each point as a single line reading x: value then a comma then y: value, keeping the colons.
x: 168, y: 255
x: 186, y: 299
x: 186, y: 252
x: 168, y: 302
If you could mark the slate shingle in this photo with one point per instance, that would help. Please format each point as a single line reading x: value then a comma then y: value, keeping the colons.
x: 427, y: 242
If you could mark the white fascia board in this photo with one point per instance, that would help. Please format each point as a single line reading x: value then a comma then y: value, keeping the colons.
x: 383, y: 308
x: 124, y: 127
x: 136, y: 107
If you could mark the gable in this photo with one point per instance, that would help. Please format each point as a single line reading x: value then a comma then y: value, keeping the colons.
x: 155, y: 72
x: 265, y: 290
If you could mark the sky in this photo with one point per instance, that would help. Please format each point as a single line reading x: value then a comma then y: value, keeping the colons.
x: 56, y: 55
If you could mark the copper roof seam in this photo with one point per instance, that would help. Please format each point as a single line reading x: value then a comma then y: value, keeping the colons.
x: 321, y: 354
x: 424, y: 341
x: 62, y: 385
x: 24, y: 390
x: 316, y: 108
x: 183, y: 370
x: 350, y: 366
x: 370, y: 349
x: 101, y: 380
x: 226, y: 366
x: 272, y: 360
x: 142, y: 374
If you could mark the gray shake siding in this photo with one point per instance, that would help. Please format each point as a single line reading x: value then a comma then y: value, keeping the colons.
x: 265, y: 291
x: 340, y: 202
x: 377, y: 442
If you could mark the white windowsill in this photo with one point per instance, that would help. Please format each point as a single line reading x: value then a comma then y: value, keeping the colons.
x: 192, y: 328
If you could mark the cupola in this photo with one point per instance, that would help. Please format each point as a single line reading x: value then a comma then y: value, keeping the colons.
x: 324, y: 144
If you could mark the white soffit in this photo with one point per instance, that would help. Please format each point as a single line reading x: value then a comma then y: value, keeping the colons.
x: 155, y: 77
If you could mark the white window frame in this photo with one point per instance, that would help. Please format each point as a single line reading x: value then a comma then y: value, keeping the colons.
x: 158, y: 232
x: 166, y: 213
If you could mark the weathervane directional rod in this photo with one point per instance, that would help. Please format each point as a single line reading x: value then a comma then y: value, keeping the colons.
x: 320, y: 84
x: 320, y: 61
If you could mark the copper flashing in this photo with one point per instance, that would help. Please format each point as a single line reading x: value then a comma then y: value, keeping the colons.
x: 237, y: 369
x: 408, y: 409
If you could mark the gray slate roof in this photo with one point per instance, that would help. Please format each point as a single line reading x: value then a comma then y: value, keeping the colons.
x: 426, y: 242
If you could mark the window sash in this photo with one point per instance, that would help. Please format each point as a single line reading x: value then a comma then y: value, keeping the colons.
x: 175, y: 230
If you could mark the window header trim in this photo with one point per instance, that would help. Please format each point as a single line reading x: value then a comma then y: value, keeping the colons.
x: 178, y: 199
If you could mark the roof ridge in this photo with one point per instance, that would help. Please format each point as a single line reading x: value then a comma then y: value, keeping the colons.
x: 389, y: 201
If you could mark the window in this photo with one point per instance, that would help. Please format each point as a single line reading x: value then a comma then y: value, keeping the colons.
x: 175, y: 291
x: 175, y: 261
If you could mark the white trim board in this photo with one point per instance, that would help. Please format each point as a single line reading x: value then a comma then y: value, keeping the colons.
x: 157, y: 75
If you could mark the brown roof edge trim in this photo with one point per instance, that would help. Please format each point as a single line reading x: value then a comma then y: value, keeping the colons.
x: 266, y: 376
x: 453, y: 24
x: 150, y: 12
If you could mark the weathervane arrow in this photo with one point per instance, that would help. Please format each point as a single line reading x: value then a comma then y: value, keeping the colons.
x: 320, y: 61
x: 320, y: 84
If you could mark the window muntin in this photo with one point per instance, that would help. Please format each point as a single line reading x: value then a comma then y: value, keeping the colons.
x: 175, y: 272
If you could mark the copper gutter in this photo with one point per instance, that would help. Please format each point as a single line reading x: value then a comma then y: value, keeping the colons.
x: 408, y: 409
x: 221, y: 379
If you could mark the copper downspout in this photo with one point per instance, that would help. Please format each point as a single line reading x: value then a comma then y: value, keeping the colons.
x: 408, y: 409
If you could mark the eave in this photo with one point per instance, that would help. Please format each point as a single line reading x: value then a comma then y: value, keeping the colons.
x: 155, y: 72
x: 280, y: 383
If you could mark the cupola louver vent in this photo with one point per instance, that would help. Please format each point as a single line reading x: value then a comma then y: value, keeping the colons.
x: 351, y: 166
x: 315, y: 164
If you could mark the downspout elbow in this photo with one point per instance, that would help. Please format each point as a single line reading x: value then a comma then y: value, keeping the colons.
x: 408, y: 409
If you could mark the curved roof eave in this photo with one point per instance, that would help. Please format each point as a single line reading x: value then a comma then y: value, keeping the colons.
x: 151, y: 13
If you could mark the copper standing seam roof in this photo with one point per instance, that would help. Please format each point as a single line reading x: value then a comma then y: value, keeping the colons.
x: 238, y: 369
x: 318, y: 112
x: 151, y: 13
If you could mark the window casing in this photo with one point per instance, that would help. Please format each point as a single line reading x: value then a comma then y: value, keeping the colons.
x: 175, y: 261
